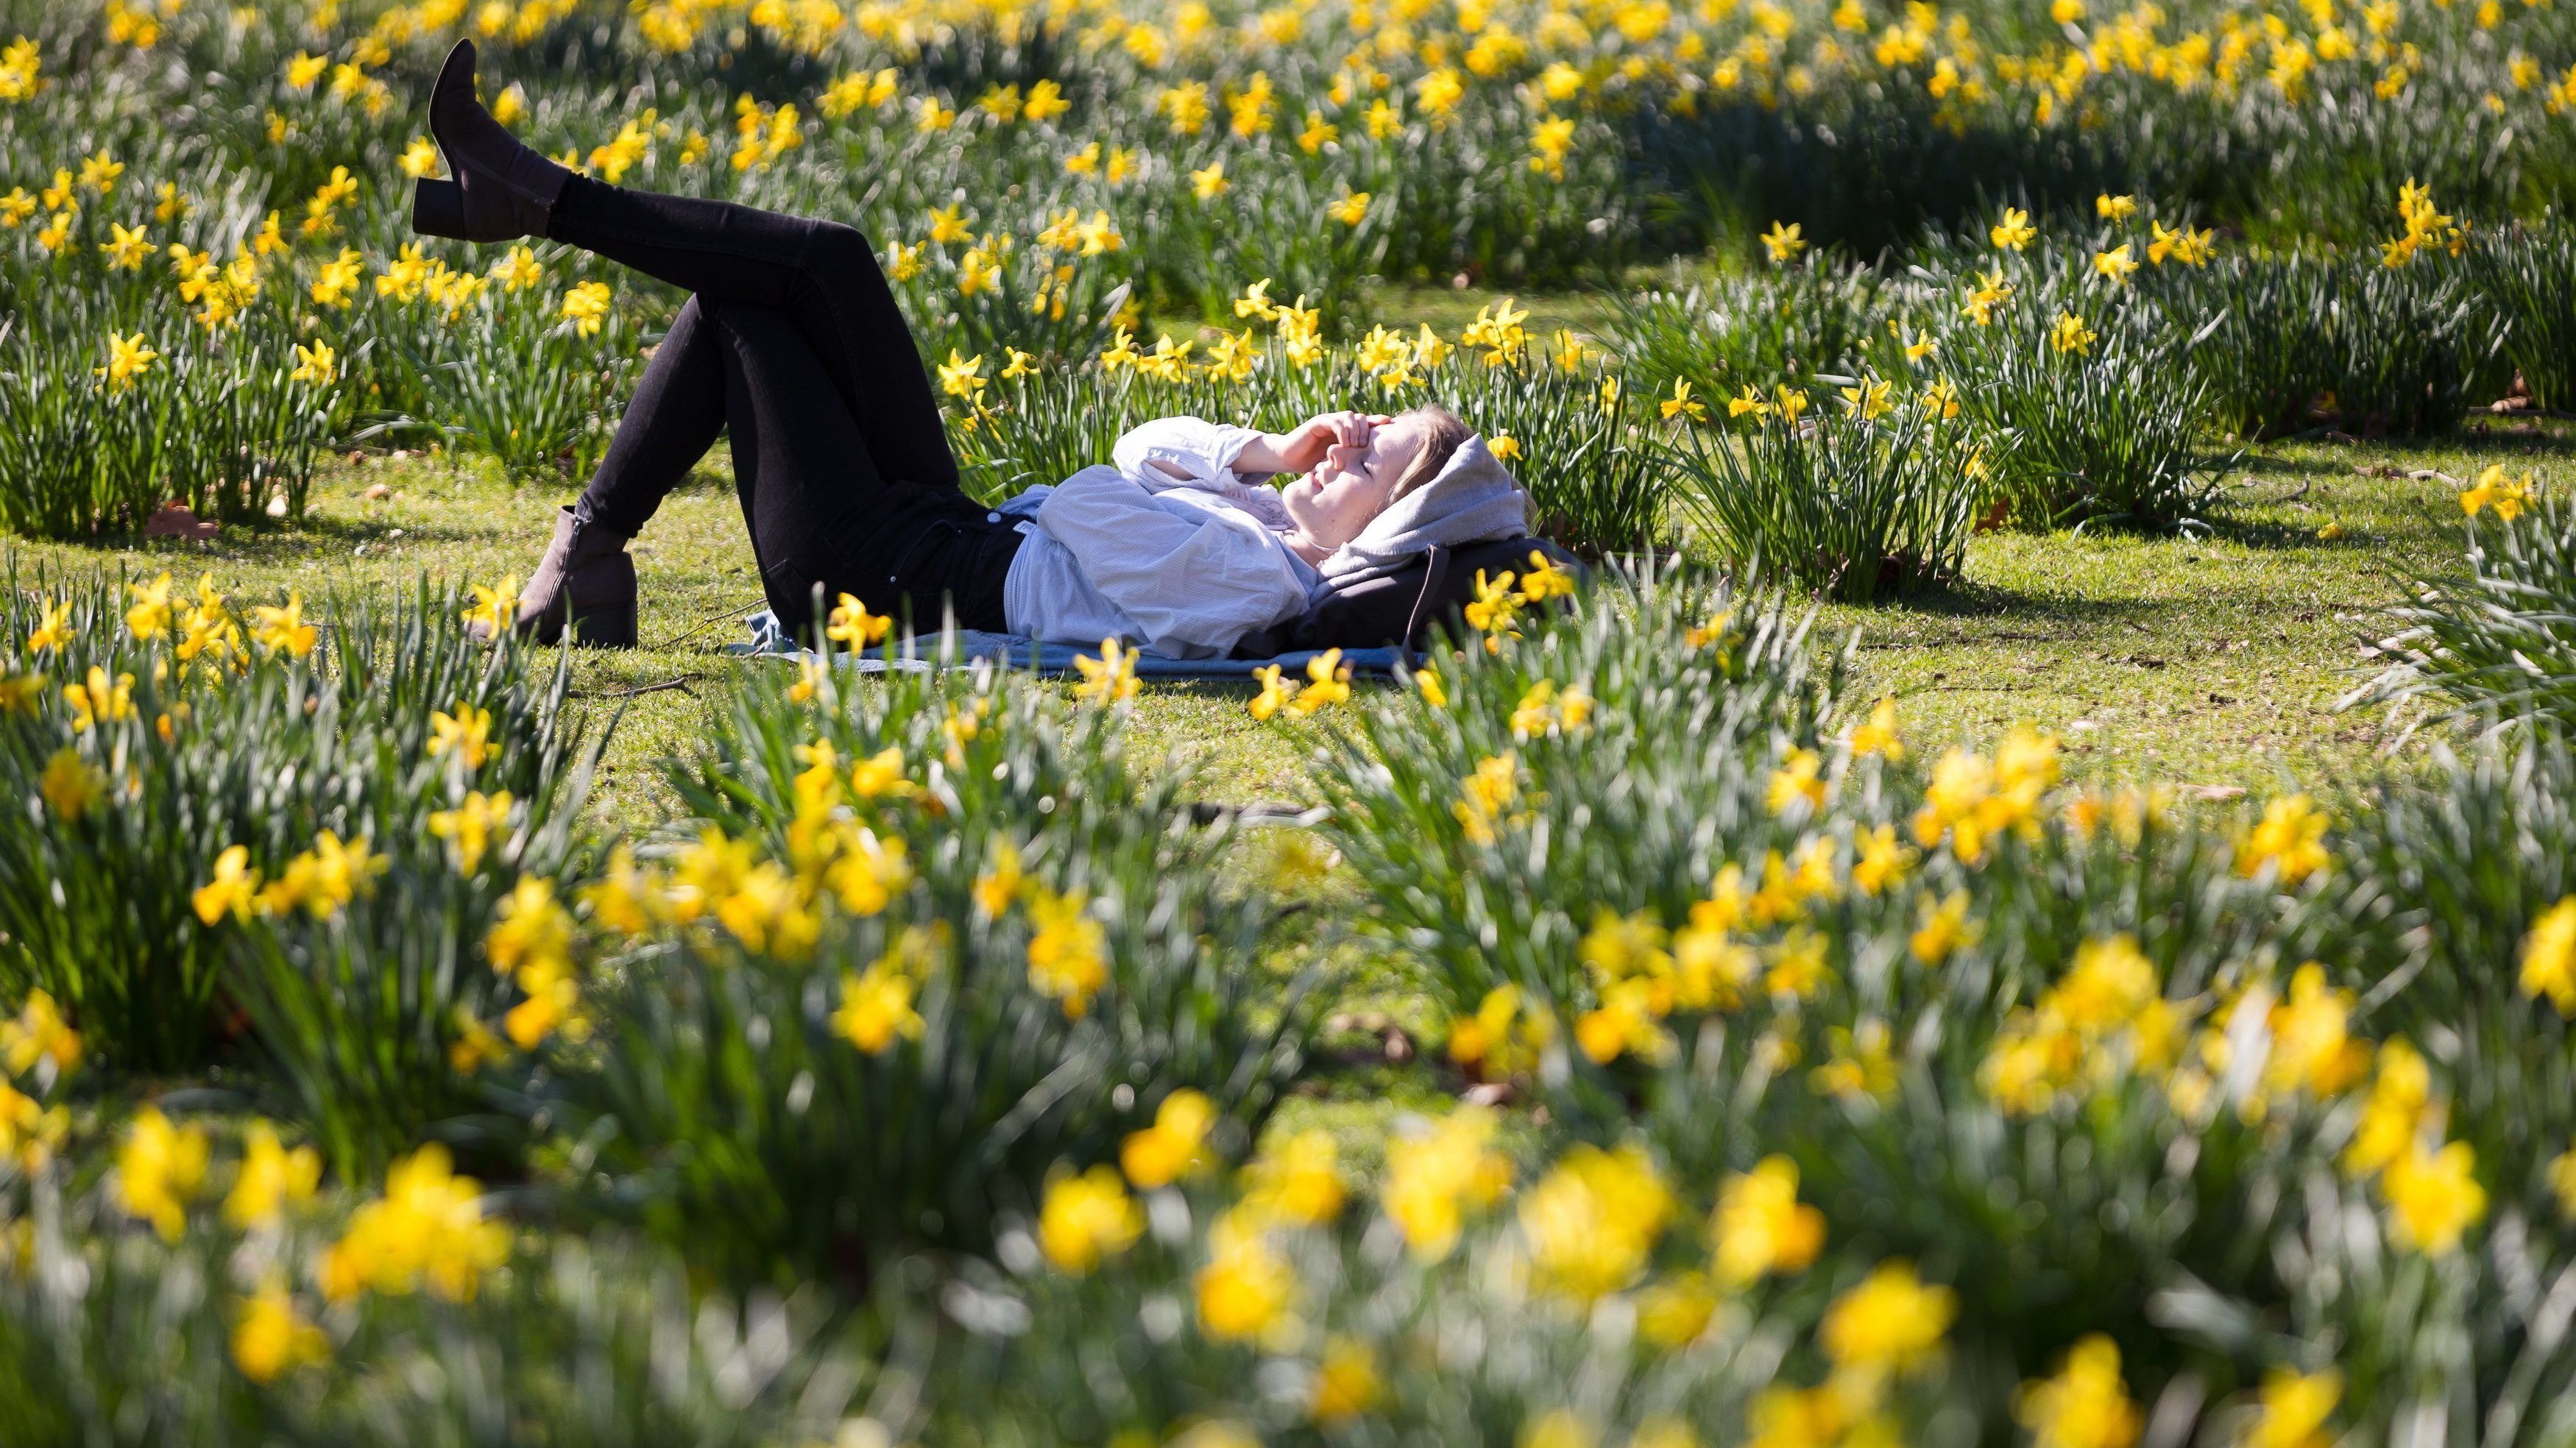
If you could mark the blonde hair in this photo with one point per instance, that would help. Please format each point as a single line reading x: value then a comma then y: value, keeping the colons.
x: 1443, y: 432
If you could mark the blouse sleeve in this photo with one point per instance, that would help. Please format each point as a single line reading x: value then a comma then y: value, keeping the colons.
x: 1195, y: 450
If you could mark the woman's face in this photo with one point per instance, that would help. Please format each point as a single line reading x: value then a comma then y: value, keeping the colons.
x: 1349, y: 488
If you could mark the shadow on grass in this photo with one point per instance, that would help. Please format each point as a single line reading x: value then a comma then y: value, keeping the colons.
x: 1232, y: 689
x: 2521, y: 436
x: 1204, y: 688
x: 2269, y: 466
x: 331, y: 531
x: 1972, y: 599
x: 317, y: 537
x: 2275, y: 534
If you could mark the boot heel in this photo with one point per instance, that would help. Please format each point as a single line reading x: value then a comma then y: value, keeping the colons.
x: 605, y: 626
x: 438, y: 208
x: 605, y: 619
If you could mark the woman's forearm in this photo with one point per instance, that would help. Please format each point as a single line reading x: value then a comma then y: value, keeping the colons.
x: 1264, y: 454
x: 1305, y: 448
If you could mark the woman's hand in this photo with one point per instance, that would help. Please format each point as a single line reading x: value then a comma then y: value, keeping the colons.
x: 1305, y: 448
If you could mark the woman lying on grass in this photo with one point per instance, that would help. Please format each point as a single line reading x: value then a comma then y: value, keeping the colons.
x: 792, y: 343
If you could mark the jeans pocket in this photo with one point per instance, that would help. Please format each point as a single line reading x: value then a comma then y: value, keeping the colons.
x: 916, y: 564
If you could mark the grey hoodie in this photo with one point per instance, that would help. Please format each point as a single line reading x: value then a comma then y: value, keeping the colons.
x: 1472, y: 499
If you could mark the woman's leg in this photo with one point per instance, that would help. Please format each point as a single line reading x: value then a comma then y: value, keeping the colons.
x: 821, y: 511
x: 585, y: 581
x: 674, y: 417
x: 821, y: 273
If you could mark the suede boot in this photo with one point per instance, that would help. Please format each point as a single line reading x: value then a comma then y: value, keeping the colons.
x: 586, y: 582
x: 500, y: 190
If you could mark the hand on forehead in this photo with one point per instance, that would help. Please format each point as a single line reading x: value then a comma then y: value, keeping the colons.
x: 1355, y: 435
x: 1364, y: 429
x: 1354, y: 429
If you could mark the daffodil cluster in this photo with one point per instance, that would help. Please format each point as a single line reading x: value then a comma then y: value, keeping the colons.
x: 40, y: 1048
x: 320, y: 881
x: 1328, y: 682
x: 197, y: 640
x: 2106, y: 1017
x: 428, y: 1229
x: 1068, y: 947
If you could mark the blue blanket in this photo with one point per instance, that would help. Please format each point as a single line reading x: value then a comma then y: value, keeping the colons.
x: 919, y: 652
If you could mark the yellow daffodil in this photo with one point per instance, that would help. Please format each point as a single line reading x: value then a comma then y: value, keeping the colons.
x: 2494, y: 489
x: 2434, y: 1197
x: 2292, y: 1408
x: 2085, y: 1405
x: 1108, y: 679
x: 1682, y: 405
x: 127, y: 359
x: 99, y: 700
x: 495, y: 609
x: 159, y: 1167
x: 283, y: 629
x: 961, y: 376
x: 1084, y: 1219
x: 2289, y: 839
x: 316, y: 365
x: 1169, y: 1149
x: 1436, y: 1179
x: 1868, y: 401
x: 469, y: 827
x: 1276, y: 693
x: 1892, y: 1320
x: 271, y: 1178
x: 2549, y: 956
x: 426, y: 1229
x: 1068, y: 954
x: 586, y: 307
x: 271, y: 1338
x: 128, y: 247
x: 39, y: 1039
x: 1760, y: 1228
x: 877, y: 1008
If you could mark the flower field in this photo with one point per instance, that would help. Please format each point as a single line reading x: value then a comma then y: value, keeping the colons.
x: 1666, y: 1015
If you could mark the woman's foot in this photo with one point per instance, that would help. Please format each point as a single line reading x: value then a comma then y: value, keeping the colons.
x: 585, y: 582
x: 501, y: 189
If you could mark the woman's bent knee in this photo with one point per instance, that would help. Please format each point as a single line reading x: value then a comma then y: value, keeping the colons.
x: 836, y: 248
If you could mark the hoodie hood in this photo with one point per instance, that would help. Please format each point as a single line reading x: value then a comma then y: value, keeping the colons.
x: 1472, y: 499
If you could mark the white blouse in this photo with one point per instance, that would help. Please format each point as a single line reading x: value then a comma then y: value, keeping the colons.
x: 1169, y: 548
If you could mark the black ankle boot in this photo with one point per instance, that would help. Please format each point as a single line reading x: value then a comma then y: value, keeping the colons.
x: 502, y: 190
x: 586, y: 582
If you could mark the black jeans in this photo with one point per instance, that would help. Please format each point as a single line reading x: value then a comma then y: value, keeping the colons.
x: 792, y: 344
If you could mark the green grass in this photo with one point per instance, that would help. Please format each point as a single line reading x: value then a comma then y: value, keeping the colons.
x: 2212, y: 661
